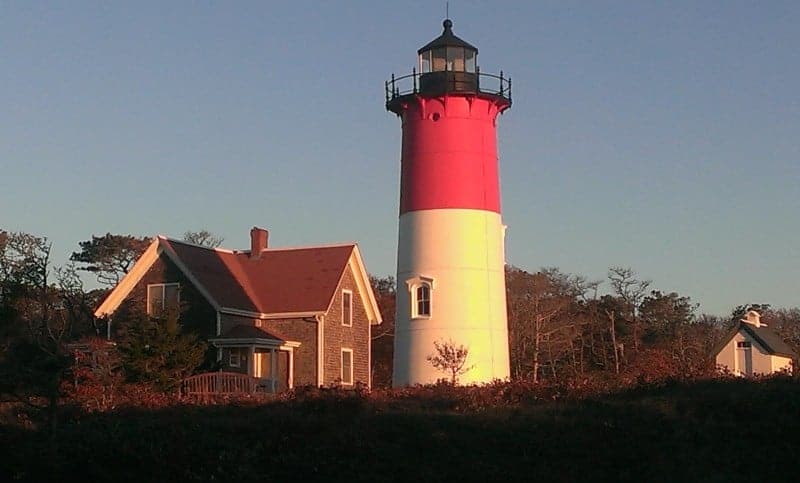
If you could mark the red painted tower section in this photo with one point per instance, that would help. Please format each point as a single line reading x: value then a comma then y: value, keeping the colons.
x: 450, y: 153
x: 450, y: 256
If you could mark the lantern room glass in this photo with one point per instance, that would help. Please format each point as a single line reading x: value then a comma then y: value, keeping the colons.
x: 470, y: 60
x: 455, y: 59
x: 425, y: 62
x: 439, y: 59
x: 452, y: 59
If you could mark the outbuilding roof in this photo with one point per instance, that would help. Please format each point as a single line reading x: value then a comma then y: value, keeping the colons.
x: 764, y: 336
x: 768, y: 339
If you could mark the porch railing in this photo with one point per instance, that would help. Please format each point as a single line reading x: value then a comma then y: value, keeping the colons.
x: 220, y: 383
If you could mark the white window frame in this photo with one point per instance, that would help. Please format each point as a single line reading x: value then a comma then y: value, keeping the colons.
x: 163, y: 295
x: 413, y: 284
x: 341, y: 366
x: 231, y: 353
x: 347, y: 323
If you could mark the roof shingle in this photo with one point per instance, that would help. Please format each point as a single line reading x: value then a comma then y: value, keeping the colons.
x: 278, y: 281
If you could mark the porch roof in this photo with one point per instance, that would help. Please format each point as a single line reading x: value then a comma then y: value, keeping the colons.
x: 249, y: 335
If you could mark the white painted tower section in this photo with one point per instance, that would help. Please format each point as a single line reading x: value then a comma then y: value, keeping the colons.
x: 461, y: 253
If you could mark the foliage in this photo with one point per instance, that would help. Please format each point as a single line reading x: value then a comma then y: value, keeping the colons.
x: 204, y: 238
x: 96, y: 375
x: 383, y: 334
x: 156, y: 350
x: 43, y: 309
x: 539, y: 305
x: 682, y: 431
x: 450, y: 358
x: 109, y: 256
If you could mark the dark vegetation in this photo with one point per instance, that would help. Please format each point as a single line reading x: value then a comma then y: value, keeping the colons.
x: 613, y: 385
x: 711, y: 430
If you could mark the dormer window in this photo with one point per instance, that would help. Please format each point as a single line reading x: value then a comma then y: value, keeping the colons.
x: 162, y: 297
x: 421, y: 297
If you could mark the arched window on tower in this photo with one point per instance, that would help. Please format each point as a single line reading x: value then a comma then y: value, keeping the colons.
x: 420, y: 297
x: 424, y: 300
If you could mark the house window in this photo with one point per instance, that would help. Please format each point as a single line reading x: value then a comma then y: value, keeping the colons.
x: 162, y: 297
x: 744, y: 345
x: 347, y: 308
x: 234, y: 358
x: 347, y: 367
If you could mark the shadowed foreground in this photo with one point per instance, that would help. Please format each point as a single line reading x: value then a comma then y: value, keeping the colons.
x: 708, y: 431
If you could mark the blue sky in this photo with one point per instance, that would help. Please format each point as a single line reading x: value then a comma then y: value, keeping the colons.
x: 657, y: 135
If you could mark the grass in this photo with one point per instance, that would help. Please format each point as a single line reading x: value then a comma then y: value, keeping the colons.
x: 718, y: 430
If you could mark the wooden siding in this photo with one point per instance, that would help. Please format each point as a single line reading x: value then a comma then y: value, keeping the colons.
x: 338, y: 336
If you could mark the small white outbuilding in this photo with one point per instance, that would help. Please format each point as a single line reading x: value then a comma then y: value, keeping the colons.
x: 753, y: 348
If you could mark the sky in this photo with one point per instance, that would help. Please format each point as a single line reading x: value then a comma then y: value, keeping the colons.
x: 658, y: 135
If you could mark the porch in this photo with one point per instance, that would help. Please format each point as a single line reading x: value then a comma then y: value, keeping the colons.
x: 259, y: 355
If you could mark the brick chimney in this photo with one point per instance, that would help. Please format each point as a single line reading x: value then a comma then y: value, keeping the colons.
x: 259, y: 238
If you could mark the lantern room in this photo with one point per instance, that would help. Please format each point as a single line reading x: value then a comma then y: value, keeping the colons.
x: 448, y: 64
x: 448, y: 53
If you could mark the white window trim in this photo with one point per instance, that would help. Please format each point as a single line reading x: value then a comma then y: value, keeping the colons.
x: 413, y: 284
x: 341, y: 366
x: 163, y: 293
x: 238, y: 354
x: 347, y: 323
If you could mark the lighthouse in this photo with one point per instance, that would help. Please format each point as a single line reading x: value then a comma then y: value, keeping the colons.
x: 450, y: 254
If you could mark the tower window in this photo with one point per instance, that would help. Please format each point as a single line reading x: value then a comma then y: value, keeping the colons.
x: 420, y: 295
x: 424, y: 300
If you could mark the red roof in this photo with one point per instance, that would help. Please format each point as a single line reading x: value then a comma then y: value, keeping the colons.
x: 281, y: 280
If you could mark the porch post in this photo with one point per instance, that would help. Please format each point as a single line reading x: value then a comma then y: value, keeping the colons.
x: 272, y: 369
x: 251, y: 361
x: 291, y: 368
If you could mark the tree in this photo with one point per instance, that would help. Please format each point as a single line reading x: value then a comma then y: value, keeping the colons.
x: 450, y: 358
x: 612, y: 307
x: 109, y: 256
x: 40, y: 317
x: 664, y: 314
x: 204, y: 238
x: 537, y: 306
x: 670, y: 327
x: 383, y: 335
x: 631, y: 291
x: 155, y: 350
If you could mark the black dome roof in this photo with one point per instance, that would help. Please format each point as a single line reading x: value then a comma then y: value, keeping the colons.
x: 447, y: 39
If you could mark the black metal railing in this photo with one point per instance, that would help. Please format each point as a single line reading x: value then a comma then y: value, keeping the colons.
x: 497, y: 85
